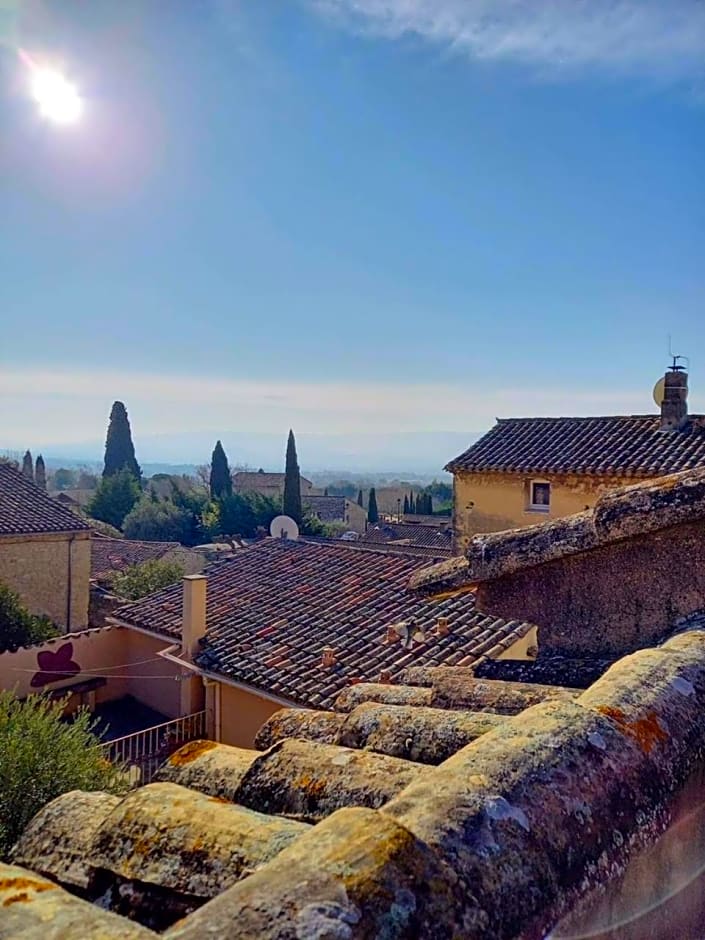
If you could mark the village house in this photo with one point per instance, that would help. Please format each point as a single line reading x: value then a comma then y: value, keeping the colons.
x: 402, y: 535
x: 45, y: 551
x: 287, y: 622
x: 336, y: 509
x: 528, y: 469
x: 267, y: 484
x: 399, y: 792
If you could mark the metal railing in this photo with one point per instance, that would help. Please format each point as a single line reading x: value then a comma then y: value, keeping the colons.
x: 143, y: 752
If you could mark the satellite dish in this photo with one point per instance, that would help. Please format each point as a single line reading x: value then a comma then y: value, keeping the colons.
x: 284, y: 527
x: 659, y: 392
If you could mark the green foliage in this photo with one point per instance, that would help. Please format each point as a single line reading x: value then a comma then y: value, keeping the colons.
x: 372, y: 511
x: 40, y: 473
x: 115, y: 497
x: 292, y: 482
x: 64, y: 479
x: 18, y: 627
x: 241, y: 515
x: 359, y: 498
x: 43, y: 757
x: 140, y: 580
x: 157, y: 520
x: 221, y: 483
x: 406, y: 505
x: 28, y: 466
x: 119, y: 449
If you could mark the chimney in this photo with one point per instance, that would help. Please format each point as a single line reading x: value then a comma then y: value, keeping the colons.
x: 674, y: 406
x: 442, y: 626
x: 193, y: 624
x: 328, y: 659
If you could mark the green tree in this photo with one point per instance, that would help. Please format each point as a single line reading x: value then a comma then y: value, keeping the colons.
x: 28, y: 466
x: 42, y: 757
x: 140, y: 580
x: 115, y: 497
x: 40, y: 473
x: 157, y: 520
x: 221, y: 482
x: 241, y: 514
x: 119, y: 449
x: 406, y: 505
x: 292, y: 482
x: 359, y: 498
x: 64, y: 479
x: 18, y: 627
x: 372, y: 512
x: 429, y: 504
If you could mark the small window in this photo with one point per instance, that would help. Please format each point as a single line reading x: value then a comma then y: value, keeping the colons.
x: 539, y: 496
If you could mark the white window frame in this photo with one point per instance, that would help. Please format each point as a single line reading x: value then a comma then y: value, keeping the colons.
x: 538, y: 507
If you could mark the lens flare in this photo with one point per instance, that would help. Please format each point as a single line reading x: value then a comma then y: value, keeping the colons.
x: 57, y: 98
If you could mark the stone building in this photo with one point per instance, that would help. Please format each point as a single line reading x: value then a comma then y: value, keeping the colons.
x: 45, y: 551
x: 336, y: 509
x: 528, y: 469
x: 267, y: 484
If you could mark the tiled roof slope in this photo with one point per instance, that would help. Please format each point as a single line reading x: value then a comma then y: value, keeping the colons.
x: 327, y: 508
x: 633, y: 445
x: 244, y: 478
x: 390, y: 821
x: 109, y: 555
x: 26, y: 508
x: 425, y: 536
x: 273, y: 607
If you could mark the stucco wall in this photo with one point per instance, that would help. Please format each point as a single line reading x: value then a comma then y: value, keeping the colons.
x: 609, y: 600
x: 242, y: 714
x: 37, y: 568
x: 355, y: 517
x: 492, y: 502
x: 152, y: 679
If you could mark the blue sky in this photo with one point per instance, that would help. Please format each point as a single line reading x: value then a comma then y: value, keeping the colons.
x: 350, y: 215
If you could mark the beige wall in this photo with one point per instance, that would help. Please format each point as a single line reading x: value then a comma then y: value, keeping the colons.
x: 355, y: 517
x: 242, y: 714
x: 152, y: 679
x: 37, y: 568
x: 525, y: 648
x: 492, y: 502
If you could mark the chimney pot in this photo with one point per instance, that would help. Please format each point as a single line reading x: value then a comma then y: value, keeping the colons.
x: 385, y: 676
x: 443, y: 626
x: 193, y: 624
x: 392, y: 636
x: 328, y: 658
x: 674, y: 407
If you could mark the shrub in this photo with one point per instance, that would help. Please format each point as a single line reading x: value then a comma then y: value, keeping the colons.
x: 139, y: 580
x: 17, y: 626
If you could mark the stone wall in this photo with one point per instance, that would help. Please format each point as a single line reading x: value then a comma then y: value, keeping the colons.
x: 611, y: 599
x: 45, y: 569
x: 492, y: 502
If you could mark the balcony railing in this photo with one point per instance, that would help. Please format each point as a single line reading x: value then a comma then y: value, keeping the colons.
x: 143, y: 752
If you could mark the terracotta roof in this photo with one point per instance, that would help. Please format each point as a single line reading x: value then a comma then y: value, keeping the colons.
x: 109, y: 555
x: 275, y: 605
x: 327, y: 508
x: 416, y: 534
x: 26, y: 508
x: 633, y: 445
x: 393, y: 821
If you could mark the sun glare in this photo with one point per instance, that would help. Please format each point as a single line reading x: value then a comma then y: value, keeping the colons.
x: 57, y: 98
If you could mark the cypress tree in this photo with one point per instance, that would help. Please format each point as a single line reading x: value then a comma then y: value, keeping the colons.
x: 406, y: 505
x: 28, y: 466
x: 292, y: 482
x: 221, y: 483
x: 372, y: 513
x: 411, y: 502
x: 429, y: 506
x: 119, y: 449
x: 40, y: 473
x: 359, y: 498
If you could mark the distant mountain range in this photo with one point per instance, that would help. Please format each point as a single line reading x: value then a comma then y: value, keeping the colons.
x: 424, y: 453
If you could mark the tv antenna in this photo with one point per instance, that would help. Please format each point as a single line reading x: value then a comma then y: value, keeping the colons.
x: 284, y: 527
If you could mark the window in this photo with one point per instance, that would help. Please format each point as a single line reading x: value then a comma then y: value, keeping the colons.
x: 539, y: 496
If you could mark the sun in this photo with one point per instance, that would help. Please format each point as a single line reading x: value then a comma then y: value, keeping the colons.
x: 57, y: 98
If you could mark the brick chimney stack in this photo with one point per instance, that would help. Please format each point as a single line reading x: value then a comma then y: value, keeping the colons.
x: 674, y: 407
x: 193, y: 627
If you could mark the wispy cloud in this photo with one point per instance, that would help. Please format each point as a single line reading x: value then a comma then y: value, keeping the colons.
x: 42, y: 407
x: 640, y: 36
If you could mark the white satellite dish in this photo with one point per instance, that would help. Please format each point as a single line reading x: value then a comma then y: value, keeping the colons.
x: 284, y: 527
x: 660, y: 391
